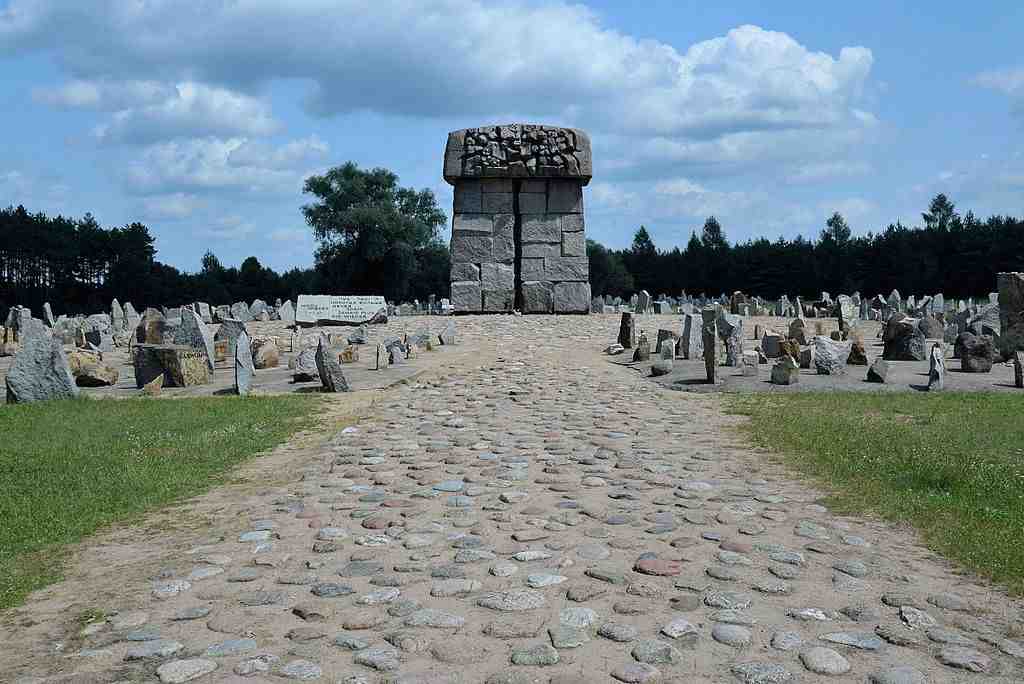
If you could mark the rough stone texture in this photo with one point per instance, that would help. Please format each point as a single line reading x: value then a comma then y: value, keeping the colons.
x: 936, y: 369
x: 691, y: 344
x: 193, y: 333
x: 878, y: 371
x: 181, y: 366
x: 538, y: 297
x: 730, y: 329
x: 40, y: 372
x: 1011, y: 313
x: 528, y: 176
x: 90, y: 371
x: 976, y: 352
x: 786, y: 371
x: 709, y: 337
x: 829, y: 356
x: 627, y: 331
x: 229, y: 330
x: 572, y: 297
x: 244, y: 367
x: 329, y: 369
x: 903, y: 340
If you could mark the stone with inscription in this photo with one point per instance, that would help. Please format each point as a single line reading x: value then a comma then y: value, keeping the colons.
x: 340, y: 310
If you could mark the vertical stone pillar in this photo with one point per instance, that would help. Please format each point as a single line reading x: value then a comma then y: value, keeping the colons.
x: 517, y: 229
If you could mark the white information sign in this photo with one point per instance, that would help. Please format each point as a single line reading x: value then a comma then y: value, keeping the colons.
x: 344, y: 310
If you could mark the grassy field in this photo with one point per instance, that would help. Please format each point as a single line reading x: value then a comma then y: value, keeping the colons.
x: 950, y: 464
x: 68, y: 468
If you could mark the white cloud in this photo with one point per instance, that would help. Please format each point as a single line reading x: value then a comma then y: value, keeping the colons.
x: 448, y: 58
x: 173, y: 207
x: 826, y: 170
x: 192, y: 110
x: 1007, y: 81
x: 257, y: 153
x: 232, y: 227
x: 104, y: 95
x: 205, y: 165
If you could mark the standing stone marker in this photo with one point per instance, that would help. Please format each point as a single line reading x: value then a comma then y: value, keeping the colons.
x: 193, y: 333
x: 331, y: 375
x: 1011, y: 313
x: 708, y: 334
x: 517, y: 227
x: 40, y: 371
x: 340, y: 310
x: 627, y: 331
x: 691, y: 345
x: 244, y: 368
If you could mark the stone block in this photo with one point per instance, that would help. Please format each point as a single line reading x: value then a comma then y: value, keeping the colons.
x: 468, y: 197
x: 534, y: 186
x: 571, y: 223
x: 691, y: 344
x: 180, y: 365
x: 539, y: 250
x: 498, y: 300
x: 482, y: 224
x: 1011, y: 313
x: 504, y: 244
x: 497, y: 185
x: 533, y: 203
x: 477, y: 249
x: 497, y: 277
x: 567, y: 268
x: 532, y: 269
x: 465, y: 271
x: 574, y: 245
x: 565, y: 196
x: 572, y: 297
x: 538, y: 297
x: 497, y: 202
x: 466, y: 296
x: 541, y: 228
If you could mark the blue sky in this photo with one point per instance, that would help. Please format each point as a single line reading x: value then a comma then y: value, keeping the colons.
x: 201, y: 119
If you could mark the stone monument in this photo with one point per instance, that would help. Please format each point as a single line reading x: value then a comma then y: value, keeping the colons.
x: 517, y: 226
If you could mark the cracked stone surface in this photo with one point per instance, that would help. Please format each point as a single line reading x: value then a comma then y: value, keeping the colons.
x: 523, y: 510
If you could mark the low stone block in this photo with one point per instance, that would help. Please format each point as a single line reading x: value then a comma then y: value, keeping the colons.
x: 567, y: 268
x: 498, y: 300
x: 541, y: 228
x: 497, y: 277
x: 497, y: 202
x: 537, y: 297
x: 531, y: 269
x: 467, y: 197
x: 466, y: 296
x: 540, y: 250
x: 473, y: 223
x: 572, y: 223
x: 574, y: 245
x: 465, y: 271
x: 472, y: 248
x: 565, y: 196
x: 533, y: 203
x: 572, y: 297
x: 181, y: 366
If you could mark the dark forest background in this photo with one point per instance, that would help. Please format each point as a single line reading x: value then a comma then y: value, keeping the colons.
x: 375, y: 237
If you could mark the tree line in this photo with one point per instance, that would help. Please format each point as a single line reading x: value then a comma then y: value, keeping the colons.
x: 956, y: 255
x: 376, y: 237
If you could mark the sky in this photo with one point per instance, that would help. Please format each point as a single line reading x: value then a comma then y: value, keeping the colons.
x: 201, y: 119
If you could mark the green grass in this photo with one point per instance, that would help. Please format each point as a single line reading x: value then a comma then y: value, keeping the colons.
x: 68, y: 468
x: 950, y: 464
